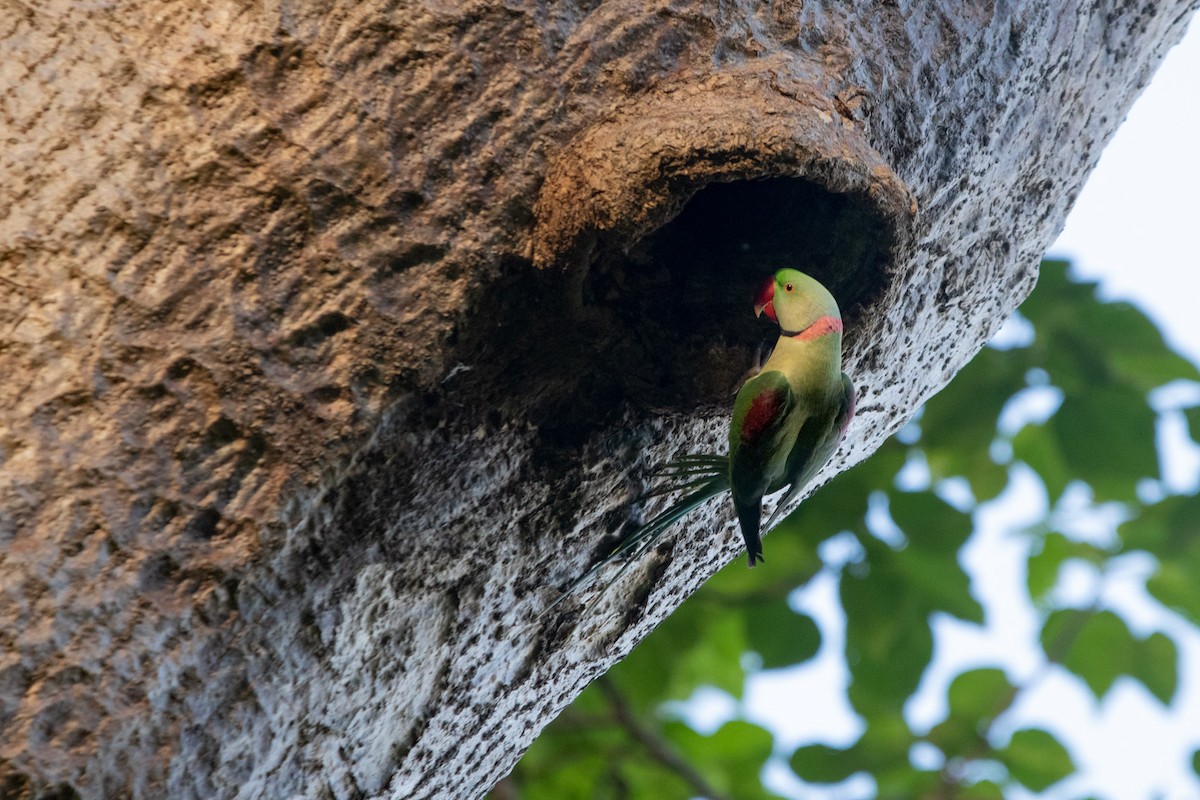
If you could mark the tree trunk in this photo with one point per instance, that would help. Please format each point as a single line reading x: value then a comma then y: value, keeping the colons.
x: 340, y: 338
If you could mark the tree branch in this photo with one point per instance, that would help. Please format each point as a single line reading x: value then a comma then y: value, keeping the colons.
x: 655, y: 745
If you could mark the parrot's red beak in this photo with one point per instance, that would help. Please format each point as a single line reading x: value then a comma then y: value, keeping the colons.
x: 763, y: 300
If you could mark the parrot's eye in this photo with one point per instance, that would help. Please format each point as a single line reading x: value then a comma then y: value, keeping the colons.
x: 789, y: 288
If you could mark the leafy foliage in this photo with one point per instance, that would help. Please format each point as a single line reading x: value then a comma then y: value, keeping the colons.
x: 901, y: 521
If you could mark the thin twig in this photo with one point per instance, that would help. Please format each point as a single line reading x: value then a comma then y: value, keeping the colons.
x: 659, y: 749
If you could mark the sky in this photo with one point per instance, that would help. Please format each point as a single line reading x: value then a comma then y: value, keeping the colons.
x: 1133, y: 229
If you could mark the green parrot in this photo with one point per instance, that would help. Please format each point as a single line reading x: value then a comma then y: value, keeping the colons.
x: 789, y: 418
x: 787, y: 421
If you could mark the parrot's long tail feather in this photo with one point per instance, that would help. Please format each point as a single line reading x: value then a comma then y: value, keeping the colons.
x: 701, y: 477
x: 699, y: 490
x: 689, y: 484
x: 645, y: 537
x: 695, y: 463
x: 688, y: 472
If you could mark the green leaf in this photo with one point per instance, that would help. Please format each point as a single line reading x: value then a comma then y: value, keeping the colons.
x: 1156, y: 666
x: 882, y: 751
x: 929, y: 522
x: 1110, y: 456
x: 642, y: 776
x: 1083, y: 342
x: 1036, y: 446
x: 782, y: 637
x: 1096, y: 646
x: 1168, y: 529
x: 1196, y: 762
x: 905, y: 782
x: 940, y: 584
x: 1064, y: 344
x: 980, y: 694
x: 1192, y: 415
x: 888, y: 640
x: 694, y: 647
x: 1133, y: 345
x: 986, y: 477
x: 1055, y: 550
x: 1036, y: 759
x: 976, y: 697
x: 935, y: 531
x: 886, y: 742
x: 1056, y: 294
x: 730, y: 759
x: 1174, y: 584
x: 818, y: 763
x: 958, y: 424
x: 982, y: 790
x: 1041, y: 573
x: 590, y: 750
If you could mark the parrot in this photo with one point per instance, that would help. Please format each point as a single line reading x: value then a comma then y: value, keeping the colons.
x: 788, y: 419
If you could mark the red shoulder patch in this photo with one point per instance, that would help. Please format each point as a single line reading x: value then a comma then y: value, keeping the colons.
x: 764, y: 409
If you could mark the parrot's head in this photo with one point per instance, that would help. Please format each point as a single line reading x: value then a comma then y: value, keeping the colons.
x: 794, y: 300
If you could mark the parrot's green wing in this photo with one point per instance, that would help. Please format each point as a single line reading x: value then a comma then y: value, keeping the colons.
x: 818, y: 438
x: 759, y: 441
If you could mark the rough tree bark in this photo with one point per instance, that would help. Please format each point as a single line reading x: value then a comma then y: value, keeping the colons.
x: 337, y: 336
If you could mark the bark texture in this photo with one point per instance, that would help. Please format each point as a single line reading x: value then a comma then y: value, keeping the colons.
x: 338, y: 336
